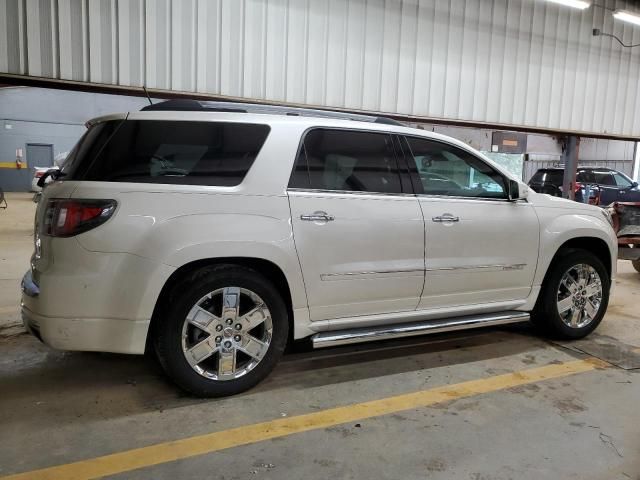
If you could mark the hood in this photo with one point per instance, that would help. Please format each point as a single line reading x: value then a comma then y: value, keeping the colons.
x: 549, y: 201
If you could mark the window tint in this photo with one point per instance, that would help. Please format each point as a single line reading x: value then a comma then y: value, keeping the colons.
x: 621, y: 180
x: 584, y: 176
x: 553, y: 177
x: 193, y: 153
x: 347, y: 160
x: 603, y: 178
x: 448, y: 170
x: 88, y: 147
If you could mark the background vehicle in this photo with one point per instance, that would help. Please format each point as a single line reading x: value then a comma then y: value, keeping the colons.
x: 58, y: 163
x: 603, y: 186
x: 626, y: 223
x: 38, y: 172
x: 217, y: 232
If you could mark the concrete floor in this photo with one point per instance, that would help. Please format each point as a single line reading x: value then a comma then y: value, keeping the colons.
x: 58, y: 407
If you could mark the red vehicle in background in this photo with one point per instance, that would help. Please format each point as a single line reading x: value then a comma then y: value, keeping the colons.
x: 626, y: 223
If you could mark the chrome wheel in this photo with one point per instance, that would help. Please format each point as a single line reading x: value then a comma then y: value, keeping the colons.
x: 579, y: 295
x: 227, y: 333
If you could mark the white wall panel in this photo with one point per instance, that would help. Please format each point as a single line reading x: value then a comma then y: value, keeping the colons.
x: 514, y: 62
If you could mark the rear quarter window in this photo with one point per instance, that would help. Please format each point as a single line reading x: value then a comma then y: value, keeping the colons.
x: 175, y: 152
x: 553, y: 177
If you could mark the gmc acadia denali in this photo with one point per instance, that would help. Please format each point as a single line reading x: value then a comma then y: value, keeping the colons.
x: 216, y: 233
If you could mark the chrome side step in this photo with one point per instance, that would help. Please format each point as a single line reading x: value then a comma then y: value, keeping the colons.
x: 386, y: 332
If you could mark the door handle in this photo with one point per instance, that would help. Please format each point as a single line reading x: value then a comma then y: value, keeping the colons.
x: 445, y: 218
x: 317, y: 217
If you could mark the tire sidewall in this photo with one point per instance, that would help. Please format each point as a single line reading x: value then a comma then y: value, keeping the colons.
x: 184, y: 297
x: 552, y: 318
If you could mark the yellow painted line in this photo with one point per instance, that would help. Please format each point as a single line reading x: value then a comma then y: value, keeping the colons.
x: 12, y: 165
x: 202, y: 444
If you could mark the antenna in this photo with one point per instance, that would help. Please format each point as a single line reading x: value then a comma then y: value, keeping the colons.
x: 147, y: 94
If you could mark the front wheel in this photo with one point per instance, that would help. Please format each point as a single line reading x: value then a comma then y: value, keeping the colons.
x: 224, y: 331
x: 574, y: 295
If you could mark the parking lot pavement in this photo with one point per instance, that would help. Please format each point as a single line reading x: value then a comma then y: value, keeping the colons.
x: 16, y: 247
x: 488, y: 404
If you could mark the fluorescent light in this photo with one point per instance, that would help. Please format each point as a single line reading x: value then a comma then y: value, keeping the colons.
x: 627, y: 16
x: 572, y: 3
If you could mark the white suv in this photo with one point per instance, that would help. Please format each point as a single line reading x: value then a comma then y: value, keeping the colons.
x: 216, y: 233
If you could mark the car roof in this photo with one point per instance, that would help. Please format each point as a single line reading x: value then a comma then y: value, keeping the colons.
x: 241, y: 107
x: 301, y: 117
x: 561, y: 169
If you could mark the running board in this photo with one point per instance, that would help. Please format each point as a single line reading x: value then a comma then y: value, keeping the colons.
x: 386, y: 332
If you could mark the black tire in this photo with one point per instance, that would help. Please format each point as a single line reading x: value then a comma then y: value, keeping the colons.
x: 168, y: 333
x: 636, y: 265
x: 546, y: 315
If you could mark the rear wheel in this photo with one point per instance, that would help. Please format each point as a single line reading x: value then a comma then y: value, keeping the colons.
x: 636, y: 265
x: 574, y: 295
x: 224, y: 331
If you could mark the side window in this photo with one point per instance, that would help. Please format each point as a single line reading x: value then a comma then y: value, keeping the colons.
x: 177, y: 152
x: 347, y: 160
x: 448, y: 170
x: 621, y: 180
x: 584, y: 176
x: 604, y: 178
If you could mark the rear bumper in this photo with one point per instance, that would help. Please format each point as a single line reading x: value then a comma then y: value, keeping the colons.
x: 92, y: 301
x: 28, y: 286
x: 87, y: 334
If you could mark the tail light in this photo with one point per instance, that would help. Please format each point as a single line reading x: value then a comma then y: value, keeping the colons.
x: 66, y: 218
x: 577, y: 187
x: 39, y: 173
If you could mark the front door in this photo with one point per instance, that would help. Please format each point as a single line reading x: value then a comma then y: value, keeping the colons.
x: 609, y: 190
x: 480, y: 247
x: 359, y: 236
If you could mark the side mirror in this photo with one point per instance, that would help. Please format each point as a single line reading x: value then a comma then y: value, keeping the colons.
x: 516, y: 191
x: 634, y: 185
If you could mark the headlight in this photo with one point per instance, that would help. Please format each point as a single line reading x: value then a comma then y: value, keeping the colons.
x: 607, y: 215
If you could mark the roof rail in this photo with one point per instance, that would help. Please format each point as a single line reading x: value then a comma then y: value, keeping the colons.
x: 210, y: 106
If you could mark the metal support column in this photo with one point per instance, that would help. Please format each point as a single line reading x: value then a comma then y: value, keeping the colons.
x: 570, y: 160
x: 635, y: 174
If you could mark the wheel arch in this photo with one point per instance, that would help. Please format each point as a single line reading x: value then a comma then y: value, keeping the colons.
x: 268, y: 269
x: 594, y: 245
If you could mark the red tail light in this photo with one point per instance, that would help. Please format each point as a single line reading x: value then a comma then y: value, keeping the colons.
x: 66, y: 218
x: 39, y: 173
x: 577, y: 187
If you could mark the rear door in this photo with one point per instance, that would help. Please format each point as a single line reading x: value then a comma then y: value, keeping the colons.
x: 358, y: 230
x: 480, y: 247
x: 608, y: 188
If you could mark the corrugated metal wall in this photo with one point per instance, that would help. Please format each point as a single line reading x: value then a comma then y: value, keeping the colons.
x: 516, y: 62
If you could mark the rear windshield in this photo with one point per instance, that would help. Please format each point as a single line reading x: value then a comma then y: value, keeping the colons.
x: 173, y: 152
x: 553, y: 177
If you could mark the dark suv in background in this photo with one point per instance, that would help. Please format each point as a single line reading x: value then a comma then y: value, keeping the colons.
x: 602, y: 186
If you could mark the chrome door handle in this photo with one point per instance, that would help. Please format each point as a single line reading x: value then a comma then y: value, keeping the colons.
x: 318, y: 217
x: 445, y: 218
